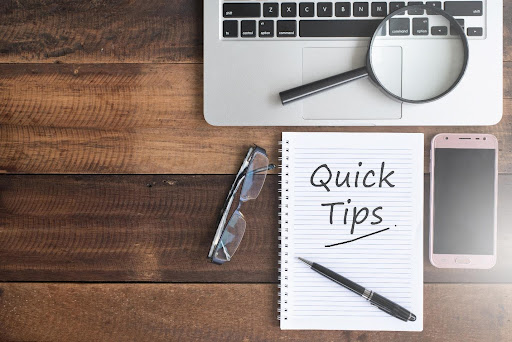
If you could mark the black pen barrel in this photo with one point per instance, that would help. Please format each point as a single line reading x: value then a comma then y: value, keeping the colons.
x: 347, y: 283
x: 391, y: 308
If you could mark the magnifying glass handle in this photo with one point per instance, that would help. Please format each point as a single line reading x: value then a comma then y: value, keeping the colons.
x: 298, y: 93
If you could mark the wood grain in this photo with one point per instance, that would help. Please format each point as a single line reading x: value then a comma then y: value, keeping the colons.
x: 128, y: 228
x: 141, y: 118
x: 73, y: 31
x: 159, y: 229
x: 212, y: 312
x: 507, y: 30
x: 115, y: 31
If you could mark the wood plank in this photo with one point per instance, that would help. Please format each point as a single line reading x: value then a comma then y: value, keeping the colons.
x: 159, y: 229
x: 154, y: 228
x: 507, y: 80
x: 101, y: 31
x: 141, y: 118
x: 115, y: 31
x: 215, y: 312
x: 128, y: 228
x: 507, y: 30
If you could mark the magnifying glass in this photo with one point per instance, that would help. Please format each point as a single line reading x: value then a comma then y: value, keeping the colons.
x: 417, y: 54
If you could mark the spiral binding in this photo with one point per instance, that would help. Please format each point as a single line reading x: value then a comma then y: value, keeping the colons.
x: 283, y: 229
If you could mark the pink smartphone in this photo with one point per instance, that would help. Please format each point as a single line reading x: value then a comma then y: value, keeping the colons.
x: 463, y: 200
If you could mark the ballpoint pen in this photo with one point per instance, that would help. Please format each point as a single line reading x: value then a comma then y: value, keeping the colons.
x: 374, y: 298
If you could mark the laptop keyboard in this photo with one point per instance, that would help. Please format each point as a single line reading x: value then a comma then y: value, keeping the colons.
x: 262, y: 20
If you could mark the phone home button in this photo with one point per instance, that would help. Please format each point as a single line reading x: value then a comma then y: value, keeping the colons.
x: 462, y: 261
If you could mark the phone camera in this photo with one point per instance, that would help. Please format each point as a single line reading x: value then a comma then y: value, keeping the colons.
x: 485, y: 138
x: 445, y: 138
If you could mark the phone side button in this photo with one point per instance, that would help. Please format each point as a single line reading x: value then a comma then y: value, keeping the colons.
x: 462, y: 261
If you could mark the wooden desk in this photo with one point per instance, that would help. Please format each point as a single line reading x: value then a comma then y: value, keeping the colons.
x: 113, y: 181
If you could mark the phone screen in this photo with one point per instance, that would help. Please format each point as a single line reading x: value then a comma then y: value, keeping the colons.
x: 464, y: 192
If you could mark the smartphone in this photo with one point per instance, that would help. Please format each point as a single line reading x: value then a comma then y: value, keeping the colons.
x: 463, y: 200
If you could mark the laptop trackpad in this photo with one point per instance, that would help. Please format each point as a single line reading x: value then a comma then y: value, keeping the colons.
x: 357, y: 100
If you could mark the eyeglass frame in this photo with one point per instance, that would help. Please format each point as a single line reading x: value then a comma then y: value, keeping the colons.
x: 237, y: 184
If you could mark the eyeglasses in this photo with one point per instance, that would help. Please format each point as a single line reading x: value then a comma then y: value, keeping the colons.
x: 250, y: 178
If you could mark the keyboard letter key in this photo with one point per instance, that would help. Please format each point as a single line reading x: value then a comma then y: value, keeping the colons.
x: 342, y: 9
x: 271, y: 10
x: 288, y: 9
x: 360, y: 9
x: 379, y: 9
x: 324, y: 9
x: 307, y: 9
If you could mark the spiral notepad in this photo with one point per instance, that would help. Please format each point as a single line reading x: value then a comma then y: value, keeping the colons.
x: 352, y: 202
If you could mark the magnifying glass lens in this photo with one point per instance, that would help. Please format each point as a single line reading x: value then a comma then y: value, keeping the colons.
x: 417, y: 56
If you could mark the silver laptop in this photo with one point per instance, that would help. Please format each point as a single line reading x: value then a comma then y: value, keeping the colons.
x: 255, y: 49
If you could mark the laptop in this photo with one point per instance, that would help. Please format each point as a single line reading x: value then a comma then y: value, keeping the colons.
x: 253, y: 50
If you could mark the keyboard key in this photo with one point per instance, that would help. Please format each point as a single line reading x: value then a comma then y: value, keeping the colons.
x: 361, y: 9
x: 288, y: 9
x: 342, y: 9
x: 399, y: 27
x: 436, y: 4
x: 393, y: 6
x: 415, y: 12
x: 452, y: 29
x: 439, y: 30
x: 248, y: 10
x: 324, y: 9
x: 338, y: 28
x: 248, y: 29
x: 475, y: 31
x: 230, y: 29
x: 307, y: 9
x: 266, y: 28
x: 287, y: 28
x: 464, y: 8
x: 271, y: 10
x: 379, y: 9
x: 420, y: 26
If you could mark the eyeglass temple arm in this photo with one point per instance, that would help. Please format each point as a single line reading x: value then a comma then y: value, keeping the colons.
x: 236, y: 186
x: 244, y: 174
x: 261, y: 169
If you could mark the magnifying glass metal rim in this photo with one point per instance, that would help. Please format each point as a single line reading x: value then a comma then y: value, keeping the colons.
x: 454, y: 25
x: 312, y: 88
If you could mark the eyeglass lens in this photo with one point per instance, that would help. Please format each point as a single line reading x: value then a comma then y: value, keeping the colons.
x: 254, y: 180
x: 231, y: 237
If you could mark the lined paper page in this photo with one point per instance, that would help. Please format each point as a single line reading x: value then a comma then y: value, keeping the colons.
x: 389, y: 262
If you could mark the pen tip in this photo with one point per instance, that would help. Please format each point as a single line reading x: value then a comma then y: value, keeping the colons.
x: 306, y: 261
x: 412, y: 317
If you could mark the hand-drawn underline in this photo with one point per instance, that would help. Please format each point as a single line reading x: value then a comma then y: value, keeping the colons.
x: 361, y: 237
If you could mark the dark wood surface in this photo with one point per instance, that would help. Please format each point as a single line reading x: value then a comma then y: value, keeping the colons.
x: 113, y: 180
x: 157, y: 228
x: 143, y: 118
x: 225, y: 312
